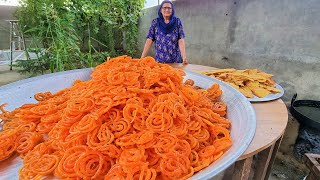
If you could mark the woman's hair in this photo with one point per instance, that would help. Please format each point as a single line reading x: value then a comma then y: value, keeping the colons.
x: 159, y: 10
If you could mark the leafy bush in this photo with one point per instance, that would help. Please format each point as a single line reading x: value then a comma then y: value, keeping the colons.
x: 33, y: 67
x: 80, y: 33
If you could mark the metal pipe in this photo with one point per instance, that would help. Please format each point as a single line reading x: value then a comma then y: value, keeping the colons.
x: 11, y: 48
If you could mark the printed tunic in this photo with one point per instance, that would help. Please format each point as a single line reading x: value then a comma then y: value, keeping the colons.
x: 166, y: 45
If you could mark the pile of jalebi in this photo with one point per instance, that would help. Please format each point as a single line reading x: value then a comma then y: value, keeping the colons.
x: 135, y: 119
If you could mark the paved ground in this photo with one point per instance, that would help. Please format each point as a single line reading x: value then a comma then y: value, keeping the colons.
x: 7, y: 76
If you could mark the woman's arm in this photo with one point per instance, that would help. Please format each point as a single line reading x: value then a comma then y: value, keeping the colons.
x: 182, y: 47
x: 146, y: 48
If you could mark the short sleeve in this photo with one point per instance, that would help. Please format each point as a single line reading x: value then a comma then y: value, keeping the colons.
x: 180, y: 30
x: 152, y: 30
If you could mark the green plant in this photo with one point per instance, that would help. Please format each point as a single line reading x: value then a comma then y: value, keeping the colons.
x: 33, y: 67
x: 79, y: 33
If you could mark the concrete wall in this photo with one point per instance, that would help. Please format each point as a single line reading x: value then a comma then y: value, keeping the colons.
x: 279, y: 37
x: 6, y: 13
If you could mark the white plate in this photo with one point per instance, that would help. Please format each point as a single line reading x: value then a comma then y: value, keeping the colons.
x: 269, y: 97
x: 240, y: 112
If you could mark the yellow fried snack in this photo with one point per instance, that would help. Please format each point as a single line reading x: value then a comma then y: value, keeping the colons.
x: 272, y: 89
x: 246, y: 91
x: 219, y: 71
x: 260, y: 92
x: 250, y: 82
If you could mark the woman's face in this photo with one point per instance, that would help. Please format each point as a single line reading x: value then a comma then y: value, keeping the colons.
x: 166, y: 10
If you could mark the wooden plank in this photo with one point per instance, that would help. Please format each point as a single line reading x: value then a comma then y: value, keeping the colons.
x: 312, y: 161
x: 312, y: 176
x: 242, y: 169
x: 262, y: 163
x: 273, y: 156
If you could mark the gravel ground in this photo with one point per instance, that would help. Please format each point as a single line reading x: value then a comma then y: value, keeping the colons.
x: 283, y: 169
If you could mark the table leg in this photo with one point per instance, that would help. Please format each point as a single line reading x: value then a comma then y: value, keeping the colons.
x: 312, y: 161
x: 242, y: 169
x: 265, y: 160
x: 273, y: 157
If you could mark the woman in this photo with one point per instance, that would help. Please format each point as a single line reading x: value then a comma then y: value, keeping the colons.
x: 167, y: 33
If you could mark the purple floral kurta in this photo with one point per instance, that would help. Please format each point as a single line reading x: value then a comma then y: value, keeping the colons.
x: 167, y: 47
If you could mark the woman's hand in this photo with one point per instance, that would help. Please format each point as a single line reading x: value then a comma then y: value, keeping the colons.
x: 146, y: 48
x: 182, y: 48
x: 184, y: 60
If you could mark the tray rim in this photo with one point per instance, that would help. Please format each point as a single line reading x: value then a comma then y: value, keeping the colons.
x: 219, y: 169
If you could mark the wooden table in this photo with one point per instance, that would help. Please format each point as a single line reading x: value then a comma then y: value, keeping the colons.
x: 272, y: 118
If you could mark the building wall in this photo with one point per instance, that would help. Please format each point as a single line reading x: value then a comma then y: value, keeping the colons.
x: 279, y: 37
x: 6, y: 13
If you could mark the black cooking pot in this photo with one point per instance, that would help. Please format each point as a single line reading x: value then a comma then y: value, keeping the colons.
x: 307, y: 112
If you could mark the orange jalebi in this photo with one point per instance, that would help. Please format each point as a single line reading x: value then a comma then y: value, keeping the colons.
x: 135, y: 119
